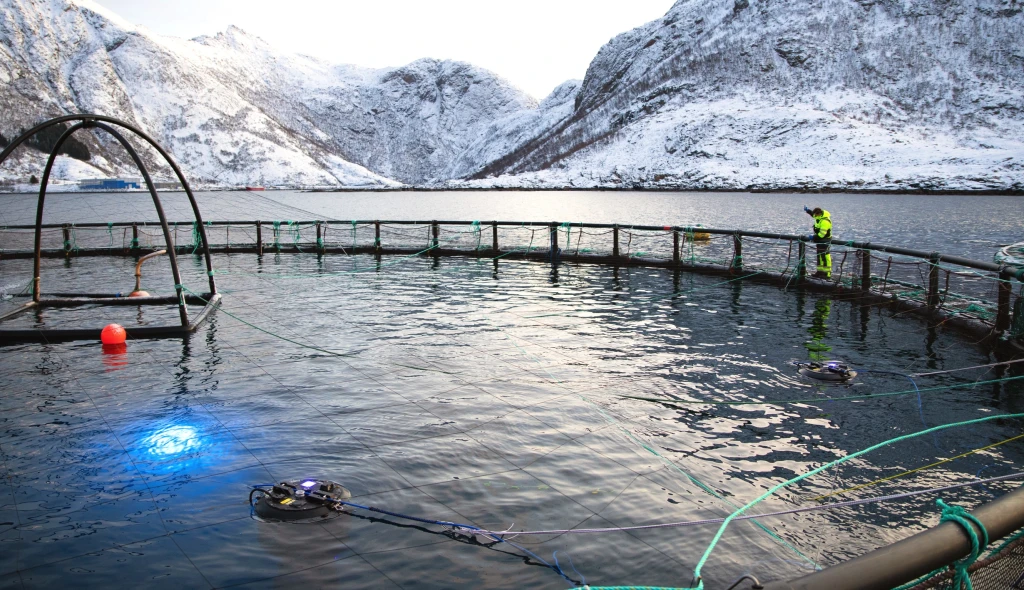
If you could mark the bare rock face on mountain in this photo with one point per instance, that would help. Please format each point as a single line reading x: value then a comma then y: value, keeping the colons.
x: 801, y: 94
x: 231, y: 109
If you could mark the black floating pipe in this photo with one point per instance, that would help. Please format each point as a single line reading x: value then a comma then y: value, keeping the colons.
x: 182, y: 309
x: 163, y: 153
x: 36, y: 286
x: 913, y: 557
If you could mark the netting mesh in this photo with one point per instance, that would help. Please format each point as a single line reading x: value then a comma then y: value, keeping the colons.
x: 1003, y: 569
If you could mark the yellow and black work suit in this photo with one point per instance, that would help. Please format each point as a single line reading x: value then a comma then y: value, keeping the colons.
x: 823, y: 237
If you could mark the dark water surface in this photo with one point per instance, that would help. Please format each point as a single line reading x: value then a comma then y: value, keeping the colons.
x: 487, y: 392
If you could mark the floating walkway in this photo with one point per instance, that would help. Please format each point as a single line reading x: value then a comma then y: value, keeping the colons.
x: 981, y: 299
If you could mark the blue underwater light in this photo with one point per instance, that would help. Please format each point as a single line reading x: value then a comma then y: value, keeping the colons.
x: 308, y: 484
x: 173, y: 440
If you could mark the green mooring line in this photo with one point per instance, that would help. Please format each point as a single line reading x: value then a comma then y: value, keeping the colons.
x: 777, y: 487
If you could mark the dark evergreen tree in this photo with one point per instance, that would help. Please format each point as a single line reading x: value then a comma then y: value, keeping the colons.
x: 4, y: 142
x: 46, y: 139
x: 33, y: 180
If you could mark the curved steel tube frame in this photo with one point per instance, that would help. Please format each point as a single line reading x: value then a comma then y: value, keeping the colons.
x: 89, y: 121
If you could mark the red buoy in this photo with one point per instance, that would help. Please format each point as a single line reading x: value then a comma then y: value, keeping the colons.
x: 113, y: 334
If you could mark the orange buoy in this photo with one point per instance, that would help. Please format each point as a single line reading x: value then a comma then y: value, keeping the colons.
x: 113, y: 334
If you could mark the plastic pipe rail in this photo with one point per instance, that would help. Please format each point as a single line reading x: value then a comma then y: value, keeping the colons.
x: 913, y: 557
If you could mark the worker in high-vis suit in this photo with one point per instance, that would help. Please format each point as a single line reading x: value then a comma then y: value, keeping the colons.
x: 822, y: 236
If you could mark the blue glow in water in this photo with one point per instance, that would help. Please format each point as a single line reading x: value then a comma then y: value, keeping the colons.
x: 173, y: 440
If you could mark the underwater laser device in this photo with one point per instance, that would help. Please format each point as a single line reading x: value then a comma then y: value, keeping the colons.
x: 300, y: 500
x: 833, y: 371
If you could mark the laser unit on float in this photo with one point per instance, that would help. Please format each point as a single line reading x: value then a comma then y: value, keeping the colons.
x: 300, y: 500
x: 833, y: 371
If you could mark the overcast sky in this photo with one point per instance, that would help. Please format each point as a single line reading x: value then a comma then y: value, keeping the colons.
x: 535, y: 44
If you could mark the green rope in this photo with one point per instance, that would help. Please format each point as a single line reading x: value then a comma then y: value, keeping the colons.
x: 1007, y: 542
x: 799, y: 478
x: 293, y: 226
x: 961, y: 576
x: 110, y: 230
x: 353, y: 234
x: 960, y: 516
x: 197, y: 239
x: 71, y: 244
x: 277, y: 236
x: 1017, y: 326
x: 476, y: 227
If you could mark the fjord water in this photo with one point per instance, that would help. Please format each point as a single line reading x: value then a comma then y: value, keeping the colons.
x: 971, y: 226
x: 489, y: 392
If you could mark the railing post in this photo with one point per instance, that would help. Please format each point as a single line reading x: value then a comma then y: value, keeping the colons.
x: 801, y: 263
x: 135, y: 238
x: 319, y: 239
x: 615, y: 241
x: 865, y: 270
x: 376, y: 236
x: 259, y: 238
x: 1005, y: 293
x: 67, y: 239
x: 554, y: 241
x: 737, y: 258
x: 933, y: 280
x: 675, y: 246
x: 494, y: 232
x: 435, y: 231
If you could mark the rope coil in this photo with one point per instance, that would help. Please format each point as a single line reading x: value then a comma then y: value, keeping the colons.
x: 959, y: 515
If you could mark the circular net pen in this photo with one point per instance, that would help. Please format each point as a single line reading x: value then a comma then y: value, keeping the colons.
x: 983, y: 299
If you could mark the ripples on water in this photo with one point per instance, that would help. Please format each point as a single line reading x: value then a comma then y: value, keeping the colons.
x: 470, y: 391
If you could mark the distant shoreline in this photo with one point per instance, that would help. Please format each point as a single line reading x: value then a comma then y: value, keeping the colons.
x: 421, y: 189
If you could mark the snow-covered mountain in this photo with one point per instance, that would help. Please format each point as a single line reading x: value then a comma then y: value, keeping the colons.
x: 804, y: 93
x: 231, y: 109
x: 842, y: 94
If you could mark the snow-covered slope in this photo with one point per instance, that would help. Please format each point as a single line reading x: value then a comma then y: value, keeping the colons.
x: 869, y: 94
x: 231, y: 109
x: 805, y: 93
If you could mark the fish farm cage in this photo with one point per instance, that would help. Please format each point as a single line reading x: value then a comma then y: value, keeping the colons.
x: 983, y: 299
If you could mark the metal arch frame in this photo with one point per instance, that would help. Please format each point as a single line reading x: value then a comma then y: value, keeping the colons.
x: 212, y: 299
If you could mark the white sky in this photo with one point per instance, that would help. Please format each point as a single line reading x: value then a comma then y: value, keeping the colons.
x: 535, y: 44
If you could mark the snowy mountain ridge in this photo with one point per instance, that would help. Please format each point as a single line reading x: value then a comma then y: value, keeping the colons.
x: 759, y: 94
x: 717, y: 94
x: 231, y: 109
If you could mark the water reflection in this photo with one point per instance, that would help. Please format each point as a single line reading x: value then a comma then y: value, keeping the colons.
x: 173, y: 440
x: 816, y: 346
x: 115, y: 357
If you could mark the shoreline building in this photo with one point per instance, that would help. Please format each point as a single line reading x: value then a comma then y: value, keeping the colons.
x: 116, y: 184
